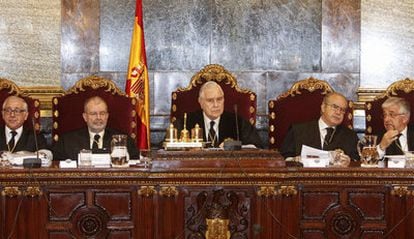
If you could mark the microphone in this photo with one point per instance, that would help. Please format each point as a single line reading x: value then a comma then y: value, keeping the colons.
x: 33, y: 162
x: 231, y: 144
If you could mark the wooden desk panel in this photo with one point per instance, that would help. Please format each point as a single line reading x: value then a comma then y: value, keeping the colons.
x: 172, y: 200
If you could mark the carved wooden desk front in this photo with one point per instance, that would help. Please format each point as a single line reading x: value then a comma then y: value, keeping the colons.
x: 255, y: 192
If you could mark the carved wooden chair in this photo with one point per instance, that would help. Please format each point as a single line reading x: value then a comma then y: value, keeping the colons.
x: 373, y: 110
x: 185, y: 100
x: 68, y: 108
x: 8, y: 88
x: 301, y: 103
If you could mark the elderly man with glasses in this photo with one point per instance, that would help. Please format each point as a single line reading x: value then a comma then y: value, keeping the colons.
x: 326, y: 133
x: 96, y: 135
x: 16, y: 137
x: 396, y: 139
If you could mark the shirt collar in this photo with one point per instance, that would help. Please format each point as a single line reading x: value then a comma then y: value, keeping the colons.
x: 207, y: 121
x: 92, y: 134
x: 323, y: 125
x: 18, y: 130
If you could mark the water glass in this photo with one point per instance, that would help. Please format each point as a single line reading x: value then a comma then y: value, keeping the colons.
x: 85, y: 158
x: 409, y: 159
x: 119, y: 151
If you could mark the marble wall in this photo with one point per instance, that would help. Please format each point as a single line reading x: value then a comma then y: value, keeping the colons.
x: 387, y: 42
x: 30, y: 41
x: 267, y: 44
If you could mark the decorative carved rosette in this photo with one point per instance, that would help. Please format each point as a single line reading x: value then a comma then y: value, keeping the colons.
x: 90, y: 222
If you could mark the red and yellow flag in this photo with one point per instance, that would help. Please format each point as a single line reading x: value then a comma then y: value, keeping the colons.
x: 137, y: 84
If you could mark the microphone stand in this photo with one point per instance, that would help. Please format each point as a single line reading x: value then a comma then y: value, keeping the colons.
x: 231, y: 144
x: 33, y: 162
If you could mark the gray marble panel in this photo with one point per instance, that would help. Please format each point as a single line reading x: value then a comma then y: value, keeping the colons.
x: 69, y: 79
x: 117, y: 21
x: 341, y: 21
x: 387, y: 42
x: 177, y: 34
x: 268, y: 34
x: 164, y: 84
x: 30, y: 41
x: 256, y: 82
x: 80, y: 36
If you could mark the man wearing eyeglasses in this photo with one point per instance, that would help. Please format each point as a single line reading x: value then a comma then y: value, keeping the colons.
x: 16, y: 136
x: 326, y: 133
x: 396, y: 139
x: 96, y: 135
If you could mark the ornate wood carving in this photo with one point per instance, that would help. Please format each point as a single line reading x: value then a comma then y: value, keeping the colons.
x: 33, y: 192
x: 401, y: 191
x: 169, y: 191
x: 287, y: 191
x: 218, y: 204
x: 147, y: 191
x: 310, y: 84
x: 11, y: 192
x: 265, y: 191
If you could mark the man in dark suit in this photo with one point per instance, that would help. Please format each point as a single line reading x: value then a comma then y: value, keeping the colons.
x: 327, y: 133
x: 218, y: 125
x: 16, y: 137
x: 398, y: 136
x: 95, y: 136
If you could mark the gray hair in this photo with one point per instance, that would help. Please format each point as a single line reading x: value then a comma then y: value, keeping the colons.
x: 25, y: 106
x: 401, y: 102
x: 207, y: 85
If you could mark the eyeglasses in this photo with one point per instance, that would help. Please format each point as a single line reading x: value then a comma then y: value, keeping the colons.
x: 15, y: 111
x: 337, y: 108
x: 392, y: 115
x: 95, y: 114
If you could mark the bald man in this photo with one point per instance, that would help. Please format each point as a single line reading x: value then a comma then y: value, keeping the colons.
x: 96, y: 135
x: 316, y: 133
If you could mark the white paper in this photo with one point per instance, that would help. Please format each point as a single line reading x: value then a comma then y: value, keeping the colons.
x: 44, y: 155
x: 396, y: 161
x: 101, y: 160
x: 312, y: 157
x: 67, y: 163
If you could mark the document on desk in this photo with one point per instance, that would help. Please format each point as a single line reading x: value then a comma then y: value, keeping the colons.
x: 314, y: 158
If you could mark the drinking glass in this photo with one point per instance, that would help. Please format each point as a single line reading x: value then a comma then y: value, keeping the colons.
x: 367, y: 151
x: 85, y: 158
x: 119, y: 151
x: 409, y: 159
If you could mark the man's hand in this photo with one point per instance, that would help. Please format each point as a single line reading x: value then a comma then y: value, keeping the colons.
x: 388, y: 138
x: 339, y: 158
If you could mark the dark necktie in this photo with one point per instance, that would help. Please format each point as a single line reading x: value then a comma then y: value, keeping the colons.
x: 11, y: 142
x: 96, y: 141
x: 398, y: 143
x: 212, y: 134
x: 328, y: 137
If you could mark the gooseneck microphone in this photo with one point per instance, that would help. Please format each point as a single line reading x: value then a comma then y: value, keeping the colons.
x: 33, y: 162
x: 231, y: 144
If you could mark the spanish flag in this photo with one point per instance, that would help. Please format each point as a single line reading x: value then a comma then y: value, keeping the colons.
x: 137, y: 84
